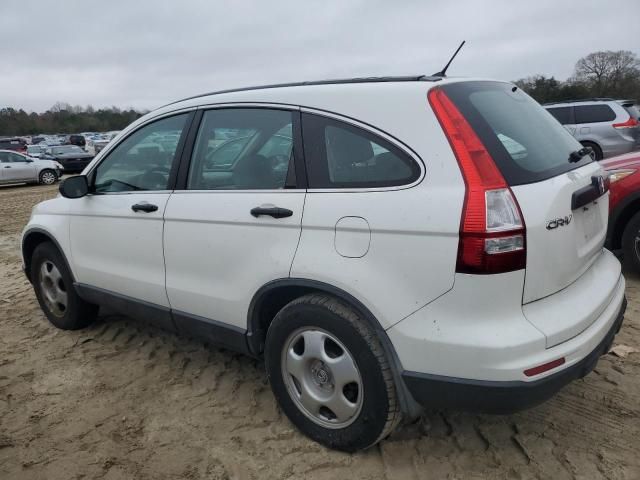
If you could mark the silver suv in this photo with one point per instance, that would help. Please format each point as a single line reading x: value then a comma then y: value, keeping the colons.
x: 610, y: 127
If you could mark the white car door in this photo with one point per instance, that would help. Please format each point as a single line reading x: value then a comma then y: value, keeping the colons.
x: 235, y: 224
x: 116, y: 230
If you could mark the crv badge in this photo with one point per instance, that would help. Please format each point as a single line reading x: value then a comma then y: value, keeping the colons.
x: 559, y: 222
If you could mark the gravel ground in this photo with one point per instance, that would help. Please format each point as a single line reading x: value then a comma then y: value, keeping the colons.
x: 124, y: 400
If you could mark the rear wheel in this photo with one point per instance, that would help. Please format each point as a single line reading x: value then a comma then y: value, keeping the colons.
x: 48, y: 177
x: 329, y: 373
x: 631, y: 243
x: 53, y: 285
x: 597, y: 151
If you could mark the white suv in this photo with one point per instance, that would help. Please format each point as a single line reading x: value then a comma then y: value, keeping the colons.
x: 384, y: 244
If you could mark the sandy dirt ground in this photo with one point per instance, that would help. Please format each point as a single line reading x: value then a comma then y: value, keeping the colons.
x: 124, y: 400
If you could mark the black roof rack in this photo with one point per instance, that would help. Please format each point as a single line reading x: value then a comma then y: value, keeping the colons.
x: 414, y: 78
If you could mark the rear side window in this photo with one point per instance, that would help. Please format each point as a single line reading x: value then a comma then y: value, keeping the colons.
x: 594, y: 113
x: 340, y: 155
x: 562, y: 114
x: 526, y: 143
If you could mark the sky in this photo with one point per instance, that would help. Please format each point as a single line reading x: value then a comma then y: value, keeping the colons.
x: 145, y: 53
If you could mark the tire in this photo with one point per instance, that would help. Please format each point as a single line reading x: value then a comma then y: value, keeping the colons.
x: 315, y: 336
x: 48, y: 177
x: 597, y: 151
x: 55, y: 292
x: 631, y: 247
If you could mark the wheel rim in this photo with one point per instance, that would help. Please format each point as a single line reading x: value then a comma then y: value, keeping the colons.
x: 322, y: 378
x: 54, y: 292
x: 48, y: 178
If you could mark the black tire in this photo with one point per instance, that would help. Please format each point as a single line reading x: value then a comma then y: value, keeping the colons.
x: 379, y: 412
x: 597, y: 151
x: 47, y: 177
x: 76, y: 313
x: 630, y: 250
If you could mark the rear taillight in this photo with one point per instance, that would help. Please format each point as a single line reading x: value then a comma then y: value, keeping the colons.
x: 632, y: 122
x: 492, y: 231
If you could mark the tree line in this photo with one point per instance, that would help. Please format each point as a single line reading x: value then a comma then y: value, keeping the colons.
x: 599, y: 74
x: 64, y: 118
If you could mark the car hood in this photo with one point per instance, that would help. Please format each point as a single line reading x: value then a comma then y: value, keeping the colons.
x: 629, y: 160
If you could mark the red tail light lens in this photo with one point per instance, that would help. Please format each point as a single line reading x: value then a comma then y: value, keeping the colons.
x: 632, y: 122
x: 492, y: 232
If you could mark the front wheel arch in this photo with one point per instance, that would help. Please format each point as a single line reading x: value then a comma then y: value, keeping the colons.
x: 30, y: 241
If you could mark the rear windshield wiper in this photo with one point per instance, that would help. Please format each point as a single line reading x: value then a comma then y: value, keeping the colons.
x: 577, y: 155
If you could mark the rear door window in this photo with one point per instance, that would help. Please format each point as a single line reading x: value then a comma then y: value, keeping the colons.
x: 594, y: 113
x: 562, y: 114
x: 527, y: 144
x: 340, y: 155
x: 243, y: 149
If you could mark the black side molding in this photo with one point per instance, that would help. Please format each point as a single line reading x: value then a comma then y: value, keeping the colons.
x: 585, y: 195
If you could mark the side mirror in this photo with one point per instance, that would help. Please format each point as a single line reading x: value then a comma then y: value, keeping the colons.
x: 74, y: 187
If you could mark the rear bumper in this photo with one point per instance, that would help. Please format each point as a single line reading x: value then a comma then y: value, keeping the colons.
x: 437, y: 391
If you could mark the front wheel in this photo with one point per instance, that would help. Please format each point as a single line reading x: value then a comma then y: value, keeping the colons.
x: 329, y: 373
x: 48, y: 177
x: 631, y: 243
x: 53, y: 285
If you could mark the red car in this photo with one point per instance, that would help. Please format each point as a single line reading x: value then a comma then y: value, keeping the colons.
x: 624, y: 206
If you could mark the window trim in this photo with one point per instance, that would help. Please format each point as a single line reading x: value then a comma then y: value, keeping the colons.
x: 299, y: 165
x: 386, y: 137
x: 104, y: 154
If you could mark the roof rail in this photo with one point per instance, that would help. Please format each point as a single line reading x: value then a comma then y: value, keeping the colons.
x: 413, y: 78
x: 594, y: 99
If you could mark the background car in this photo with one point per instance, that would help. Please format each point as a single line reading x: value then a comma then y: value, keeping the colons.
x: 71, y: 157
x: 608, y: 126
x: 18, y: 168
x: 35, y: 151
x: 16, y: 144
x: 78, y: 140
x: 624, y: 207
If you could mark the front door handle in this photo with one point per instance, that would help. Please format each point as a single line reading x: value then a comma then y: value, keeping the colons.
x: 8, y: 166
x: 144, y: 207
x: 275, y: 212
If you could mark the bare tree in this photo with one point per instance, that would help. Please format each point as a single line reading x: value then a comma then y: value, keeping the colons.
x: 607, y: 71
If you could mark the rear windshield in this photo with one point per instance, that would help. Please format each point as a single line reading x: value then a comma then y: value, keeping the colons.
x: 526, y: 142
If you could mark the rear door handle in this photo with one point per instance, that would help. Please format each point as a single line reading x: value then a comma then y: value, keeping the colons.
x: 144, y: 207
x: 275, y: 212
x: 8, y: 166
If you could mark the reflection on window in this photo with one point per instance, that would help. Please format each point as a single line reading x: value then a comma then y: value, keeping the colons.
x: 143, y: 160
x: 242, y: 149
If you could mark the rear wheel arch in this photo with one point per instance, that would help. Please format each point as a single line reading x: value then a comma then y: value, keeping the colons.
x: 273, y: 296
x: 30, y: 242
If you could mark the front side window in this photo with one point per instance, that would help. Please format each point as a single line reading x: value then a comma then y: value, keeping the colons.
x: 341, y: 155
x: 242, y: 149
x: 143, y: 160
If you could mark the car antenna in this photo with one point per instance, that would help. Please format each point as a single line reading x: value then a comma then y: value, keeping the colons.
x: 443, y: 72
